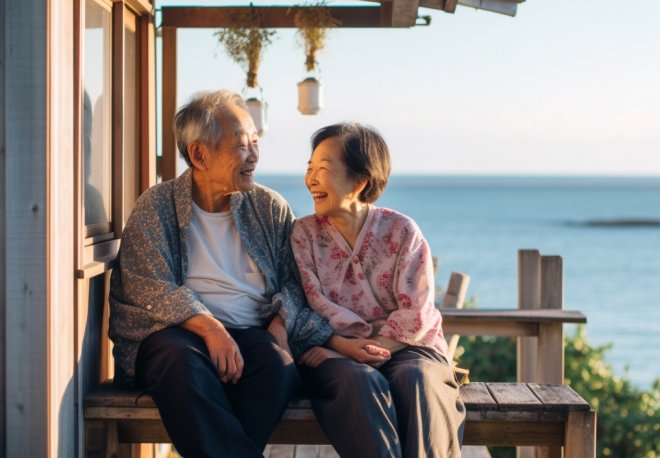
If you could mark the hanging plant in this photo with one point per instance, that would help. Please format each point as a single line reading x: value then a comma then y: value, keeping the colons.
x: 313, y: 21
x: 245, y: 42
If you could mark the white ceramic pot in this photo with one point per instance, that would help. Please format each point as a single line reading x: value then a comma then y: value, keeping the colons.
x: 310, y: 96
x: 257, y: 109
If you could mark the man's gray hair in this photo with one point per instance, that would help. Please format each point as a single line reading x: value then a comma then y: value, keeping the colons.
x: 197, y: 120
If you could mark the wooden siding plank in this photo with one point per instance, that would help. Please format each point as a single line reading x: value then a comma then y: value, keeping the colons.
x: 63, y: 411
x: 25, y: 41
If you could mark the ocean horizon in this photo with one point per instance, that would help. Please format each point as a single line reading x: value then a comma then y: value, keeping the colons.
x: 606, y: 228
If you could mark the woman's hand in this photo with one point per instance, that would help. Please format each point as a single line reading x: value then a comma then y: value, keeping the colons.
x: 223, y: 349
x: 278, y: 330
x: 366, y: 351
x: 316, y: 355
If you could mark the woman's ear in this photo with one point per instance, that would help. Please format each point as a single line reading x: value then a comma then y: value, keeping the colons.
x: 197, y: 155
x: 359, y: 186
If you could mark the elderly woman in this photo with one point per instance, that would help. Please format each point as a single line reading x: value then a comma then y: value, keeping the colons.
x: 381, y: 385
x: 203, y: 295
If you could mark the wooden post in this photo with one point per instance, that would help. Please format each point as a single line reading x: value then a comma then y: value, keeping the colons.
x: 168, y: 145
x: 550, y: 357
x: 551, y: 336
x: 454, y: 298
x: 580, y: 435
x: 147, y: 102
x: 529, y: 297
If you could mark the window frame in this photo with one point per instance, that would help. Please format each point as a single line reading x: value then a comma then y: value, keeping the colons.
x: 97, y: 245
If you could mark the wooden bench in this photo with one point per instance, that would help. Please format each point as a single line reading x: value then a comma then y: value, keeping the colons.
x: 539, y: 411
x: 497, y: 414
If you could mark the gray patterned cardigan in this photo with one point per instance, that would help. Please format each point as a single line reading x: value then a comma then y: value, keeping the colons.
x: 147, y: 292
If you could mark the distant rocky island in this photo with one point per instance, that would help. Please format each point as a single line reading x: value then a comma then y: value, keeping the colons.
x: 622, y: 223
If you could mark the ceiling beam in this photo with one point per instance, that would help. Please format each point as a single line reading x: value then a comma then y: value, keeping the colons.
x: 404, y: 12
x: 273, y: 17
x: 448, y: 6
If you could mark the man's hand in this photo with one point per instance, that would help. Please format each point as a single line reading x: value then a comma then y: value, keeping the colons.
x: 316, y: 355
x: 278, y: 330
x: 366, y: 351
x: 224, y: 351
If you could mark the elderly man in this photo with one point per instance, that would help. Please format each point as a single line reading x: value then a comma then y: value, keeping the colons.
x: 206, y: 313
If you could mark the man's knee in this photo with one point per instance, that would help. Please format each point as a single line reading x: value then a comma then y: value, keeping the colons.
x: 171, y: 352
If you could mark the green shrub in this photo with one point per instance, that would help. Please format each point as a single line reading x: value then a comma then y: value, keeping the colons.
x: 628, y: 419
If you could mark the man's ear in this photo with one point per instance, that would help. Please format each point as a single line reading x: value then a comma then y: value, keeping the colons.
x: 197, y: 155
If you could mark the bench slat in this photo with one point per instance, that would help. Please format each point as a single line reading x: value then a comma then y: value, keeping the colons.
x: 105, y: 395
x: 477, y: 397
x: 559, y: 397
x: 514, y: 396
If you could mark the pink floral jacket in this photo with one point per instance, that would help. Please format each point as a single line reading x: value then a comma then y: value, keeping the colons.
x: 384, y: 286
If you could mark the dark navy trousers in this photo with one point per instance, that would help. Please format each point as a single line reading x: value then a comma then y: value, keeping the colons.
x: 203, y: 416
x: 409, y: 407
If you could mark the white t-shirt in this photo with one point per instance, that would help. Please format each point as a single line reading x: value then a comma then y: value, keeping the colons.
x: 222, y: 272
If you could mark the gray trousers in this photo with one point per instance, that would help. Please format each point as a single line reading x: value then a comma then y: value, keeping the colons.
x: 408, y: 407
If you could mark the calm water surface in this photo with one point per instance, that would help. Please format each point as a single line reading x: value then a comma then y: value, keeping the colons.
x: 476, y: 225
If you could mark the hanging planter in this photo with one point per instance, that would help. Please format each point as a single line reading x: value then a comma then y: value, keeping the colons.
x: 313, y: 22
x: 258, y: 108
x: 310, y: 96
x: 245, y: 42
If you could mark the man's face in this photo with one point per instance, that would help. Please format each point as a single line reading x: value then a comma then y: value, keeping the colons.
x: 231, y: 165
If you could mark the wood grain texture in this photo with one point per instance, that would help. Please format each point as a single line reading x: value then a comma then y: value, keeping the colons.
x: 169, y: 102
x: 529, y: 297
x: 514, y: 396
x: 498, y: 414
x: 476, y: 396
x: 559, y: 397
x: 273, y: 16
x: 25, y: 40
x: 581, y: 435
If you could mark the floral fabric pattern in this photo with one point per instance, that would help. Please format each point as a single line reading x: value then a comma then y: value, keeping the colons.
x: 383, y: 286
x: 147, y: 291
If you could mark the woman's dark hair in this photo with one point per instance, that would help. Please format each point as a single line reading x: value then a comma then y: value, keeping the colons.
x: 365, y: 154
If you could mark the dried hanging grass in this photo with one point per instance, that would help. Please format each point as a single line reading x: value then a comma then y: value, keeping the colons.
x: 245, y: 42
x: 313, y: 21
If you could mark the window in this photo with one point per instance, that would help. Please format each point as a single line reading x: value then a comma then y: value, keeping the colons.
x: 97, y: 119
x: 115, y: 80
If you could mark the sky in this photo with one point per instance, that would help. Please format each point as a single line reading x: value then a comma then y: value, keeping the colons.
x: 567, y: 87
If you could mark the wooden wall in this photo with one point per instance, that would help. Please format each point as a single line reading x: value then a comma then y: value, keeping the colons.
x: 26, y: 165
x: 39, y: 413
x: 60, y: 231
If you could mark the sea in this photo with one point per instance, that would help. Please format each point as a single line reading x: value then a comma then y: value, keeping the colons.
x: 607, y: 230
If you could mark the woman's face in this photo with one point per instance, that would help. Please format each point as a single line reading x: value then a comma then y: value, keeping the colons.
x: 334, y: 192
